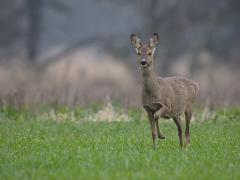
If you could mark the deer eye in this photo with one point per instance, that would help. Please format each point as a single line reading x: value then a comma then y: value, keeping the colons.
x: 139, y: 53
x: 149, y: 54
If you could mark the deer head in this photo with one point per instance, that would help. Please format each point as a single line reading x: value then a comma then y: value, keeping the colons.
x: 145, y: 51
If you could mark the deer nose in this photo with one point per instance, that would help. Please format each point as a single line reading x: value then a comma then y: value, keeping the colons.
x: 143, y: 62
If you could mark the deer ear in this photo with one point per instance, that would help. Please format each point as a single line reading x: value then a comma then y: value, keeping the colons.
x: 153, y: 41
x: 136, y: 42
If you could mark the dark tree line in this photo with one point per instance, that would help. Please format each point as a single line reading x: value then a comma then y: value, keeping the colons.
x: 184, y: 26
x: 189, y: 26
x: 21, y: 25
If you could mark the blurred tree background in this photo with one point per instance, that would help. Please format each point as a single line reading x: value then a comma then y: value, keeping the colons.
x: 198, y: 39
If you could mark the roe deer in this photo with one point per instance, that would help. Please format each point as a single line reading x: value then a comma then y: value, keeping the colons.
x: 164, y: 97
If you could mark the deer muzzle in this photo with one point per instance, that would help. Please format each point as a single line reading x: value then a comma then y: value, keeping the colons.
x: 143, y: 62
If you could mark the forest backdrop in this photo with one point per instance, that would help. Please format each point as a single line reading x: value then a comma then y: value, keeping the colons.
x: 78, y: 52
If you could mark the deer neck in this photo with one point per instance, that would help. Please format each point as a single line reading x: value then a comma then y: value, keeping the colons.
x: 150, y: 81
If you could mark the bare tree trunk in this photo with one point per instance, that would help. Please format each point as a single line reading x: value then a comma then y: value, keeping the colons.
x: 11, y: 14
x: 34, y: 16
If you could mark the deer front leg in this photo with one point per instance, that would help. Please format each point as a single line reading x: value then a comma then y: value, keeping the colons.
x: 177, y: 122
x: 160, y: 135
x: 153, y: 127
x: 157, y: 115
x: 160, y: 113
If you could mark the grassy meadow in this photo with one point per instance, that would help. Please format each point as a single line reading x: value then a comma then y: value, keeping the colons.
x: 66, y: 143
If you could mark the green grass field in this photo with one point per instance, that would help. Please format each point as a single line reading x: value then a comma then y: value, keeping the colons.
x: 31, y: 148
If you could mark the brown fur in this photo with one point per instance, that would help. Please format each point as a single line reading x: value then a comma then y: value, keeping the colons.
x: 164, y: 97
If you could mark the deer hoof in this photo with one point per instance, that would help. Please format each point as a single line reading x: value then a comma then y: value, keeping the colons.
x: 162, y: 137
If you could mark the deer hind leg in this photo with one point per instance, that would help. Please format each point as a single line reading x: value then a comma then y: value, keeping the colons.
x: 188, y: 116
x: 178, y: 123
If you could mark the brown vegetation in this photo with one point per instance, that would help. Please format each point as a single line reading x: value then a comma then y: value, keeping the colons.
x: 78, y: 80
x: 87, y: 77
